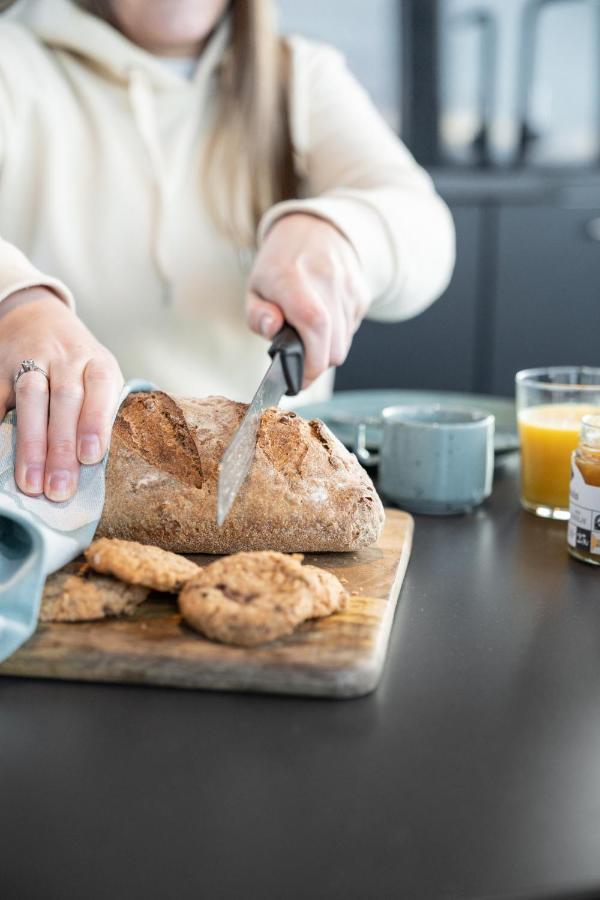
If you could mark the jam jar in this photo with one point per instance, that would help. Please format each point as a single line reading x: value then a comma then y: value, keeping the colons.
x: 583, y: 535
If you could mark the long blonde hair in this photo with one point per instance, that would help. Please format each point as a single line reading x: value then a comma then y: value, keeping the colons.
x: 250, y: 144
x: 249, y: 164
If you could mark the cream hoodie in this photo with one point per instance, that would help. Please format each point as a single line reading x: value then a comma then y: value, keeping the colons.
x: 100, y: 196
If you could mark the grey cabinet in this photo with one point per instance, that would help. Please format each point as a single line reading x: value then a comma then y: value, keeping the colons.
x: 546, y: 304
x: 525, y: 293
x: 436, y: 350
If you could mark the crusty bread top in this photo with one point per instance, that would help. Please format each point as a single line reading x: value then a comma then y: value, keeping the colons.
x: 305, y: 491
x: 189, y: 436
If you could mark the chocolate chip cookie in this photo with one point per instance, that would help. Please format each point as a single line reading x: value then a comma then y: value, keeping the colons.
x: 142, y: 564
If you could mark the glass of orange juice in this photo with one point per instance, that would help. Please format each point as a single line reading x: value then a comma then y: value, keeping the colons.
x: 550, y: 405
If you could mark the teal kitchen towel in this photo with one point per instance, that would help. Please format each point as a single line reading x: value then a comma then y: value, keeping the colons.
x: 38, y: 536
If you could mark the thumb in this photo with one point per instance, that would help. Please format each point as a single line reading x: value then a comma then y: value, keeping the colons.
x: 263, y: 317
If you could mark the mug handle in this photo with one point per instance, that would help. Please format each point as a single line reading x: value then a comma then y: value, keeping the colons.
x: 363, y: 454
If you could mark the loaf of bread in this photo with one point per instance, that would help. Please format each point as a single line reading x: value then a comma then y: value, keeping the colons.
x: 305, y: 491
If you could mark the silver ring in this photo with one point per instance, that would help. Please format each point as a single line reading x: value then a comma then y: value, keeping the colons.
x: 28, y: 365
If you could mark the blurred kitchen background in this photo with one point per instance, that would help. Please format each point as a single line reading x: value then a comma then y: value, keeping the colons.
x: 500, y: 100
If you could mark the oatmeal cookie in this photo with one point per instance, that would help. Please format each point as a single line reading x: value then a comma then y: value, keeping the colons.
x: 142, y: 564
x: 248, y: 598
x: 331, y: 596
x: 253, y: 598
x: 77, y: 594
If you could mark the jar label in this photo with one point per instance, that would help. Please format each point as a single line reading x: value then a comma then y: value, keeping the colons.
x: 584, y: 506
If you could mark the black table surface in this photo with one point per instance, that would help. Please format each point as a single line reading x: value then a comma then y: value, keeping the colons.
x: 472, y: 771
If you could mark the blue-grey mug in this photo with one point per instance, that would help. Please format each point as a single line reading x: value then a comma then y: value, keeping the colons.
x: 436, y: 460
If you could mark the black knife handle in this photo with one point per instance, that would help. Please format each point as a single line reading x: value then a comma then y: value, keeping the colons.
x: 291, y: 349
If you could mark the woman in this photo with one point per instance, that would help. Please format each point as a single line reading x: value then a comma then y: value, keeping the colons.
x: 175, y: 182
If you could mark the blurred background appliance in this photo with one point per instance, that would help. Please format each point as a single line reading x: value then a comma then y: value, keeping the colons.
x: 500, y: 101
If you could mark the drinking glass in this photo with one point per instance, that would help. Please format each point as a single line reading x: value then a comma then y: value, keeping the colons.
x: 550, y: 405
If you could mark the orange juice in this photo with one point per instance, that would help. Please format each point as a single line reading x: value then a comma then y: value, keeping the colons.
x: 549, y: 434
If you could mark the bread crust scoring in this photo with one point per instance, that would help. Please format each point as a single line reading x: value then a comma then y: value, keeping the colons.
x: 305, y: 491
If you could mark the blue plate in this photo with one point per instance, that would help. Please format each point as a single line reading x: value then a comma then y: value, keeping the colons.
x: 346, y: 408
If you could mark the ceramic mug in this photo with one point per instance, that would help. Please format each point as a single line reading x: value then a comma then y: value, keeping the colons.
x: 436, y: 460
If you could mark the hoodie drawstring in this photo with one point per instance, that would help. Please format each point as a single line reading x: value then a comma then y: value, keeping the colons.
x: 142, y: 103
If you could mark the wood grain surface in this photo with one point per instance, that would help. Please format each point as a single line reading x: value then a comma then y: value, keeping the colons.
x: 341, y: 656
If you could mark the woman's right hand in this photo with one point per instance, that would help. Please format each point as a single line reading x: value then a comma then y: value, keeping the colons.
x: 66, y: 419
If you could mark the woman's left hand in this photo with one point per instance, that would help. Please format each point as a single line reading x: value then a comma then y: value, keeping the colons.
x: 308, y: 275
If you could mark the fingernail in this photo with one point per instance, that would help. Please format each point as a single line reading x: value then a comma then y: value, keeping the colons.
x: 265, y: 324
x: 58, y: 485
x: 34, y: 479
x: 89, y: 449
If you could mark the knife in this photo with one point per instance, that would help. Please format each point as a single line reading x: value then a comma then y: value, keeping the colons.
x: 284, y: 376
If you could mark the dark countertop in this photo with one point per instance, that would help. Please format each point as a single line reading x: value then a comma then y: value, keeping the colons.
x: 473, y: 771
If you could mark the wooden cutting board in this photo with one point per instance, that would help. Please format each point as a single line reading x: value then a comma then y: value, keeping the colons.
x: 341, y: 656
